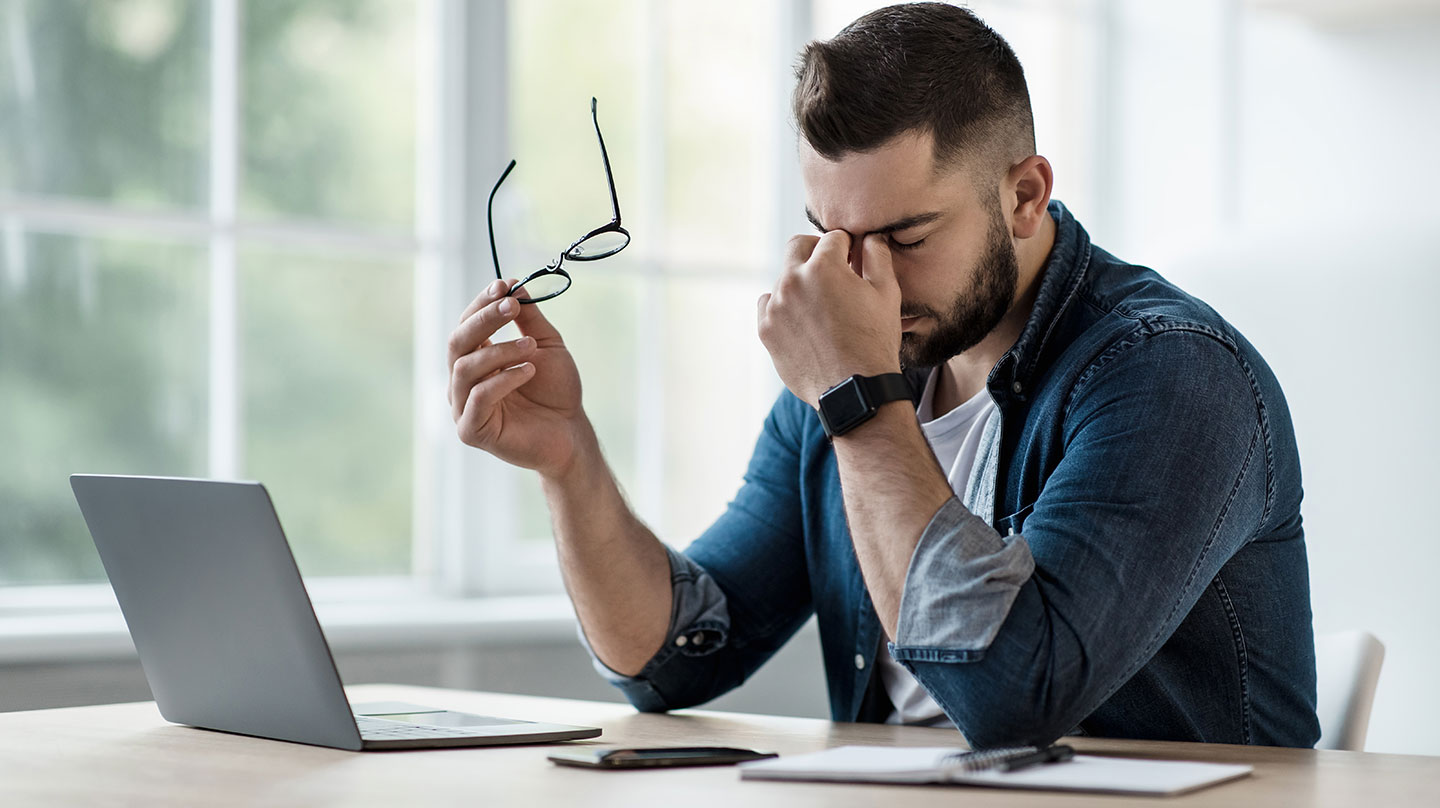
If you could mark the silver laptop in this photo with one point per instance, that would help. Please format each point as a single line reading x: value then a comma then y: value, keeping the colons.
x: 225, y: 630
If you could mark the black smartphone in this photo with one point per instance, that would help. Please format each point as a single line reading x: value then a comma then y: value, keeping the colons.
x: 609, y: 757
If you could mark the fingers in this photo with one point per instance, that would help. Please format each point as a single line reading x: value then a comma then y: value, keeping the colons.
x: 493, y: 292
x: 532, y: 322
x: 833, y: 247
x: 480, y: 324
x: 798, y: 249
x: 480, y: 402
x: 475, y: 368
x: 875, y: 262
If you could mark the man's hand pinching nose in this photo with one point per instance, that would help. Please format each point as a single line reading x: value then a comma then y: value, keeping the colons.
x: 826, y: 320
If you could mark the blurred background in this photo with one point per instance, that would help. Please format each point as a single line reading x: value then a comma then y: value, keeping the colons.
x: 234, y: 235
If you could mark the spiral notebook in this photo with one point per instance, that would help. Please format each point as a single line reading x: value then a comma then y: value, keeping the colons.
x: 919, y: 765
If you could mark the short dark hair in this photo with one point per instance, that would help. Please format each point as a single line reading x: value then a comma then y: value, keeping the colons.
x: 915, y: 67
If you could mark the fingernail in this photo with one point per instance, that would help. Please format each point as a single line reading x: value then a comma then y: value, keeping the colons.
x: 507, y: 306
x: 493, y: 288
x: 524, y: 343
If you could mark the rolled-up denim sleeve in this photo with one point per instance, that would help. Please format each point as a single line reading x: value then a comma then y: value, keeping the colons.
x: 739, y: 591
x: 1163, y: 479
x: 962, y: 580
x: 699, y: 625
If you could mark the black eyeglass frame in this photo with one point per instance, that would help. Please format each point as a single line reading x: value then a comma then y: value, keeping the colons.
x: 573, y: 252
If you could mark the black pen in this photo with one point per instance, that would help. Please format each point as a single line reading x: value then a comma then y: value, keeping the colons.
x: 1050, y: 754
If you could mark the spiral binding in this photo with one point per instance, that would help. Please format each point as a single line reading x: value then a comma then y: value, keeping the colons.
x: 985, y: 759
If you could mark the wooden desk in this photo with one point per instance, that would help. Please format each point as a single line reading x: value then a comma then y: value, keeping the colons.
x: 126, y: 754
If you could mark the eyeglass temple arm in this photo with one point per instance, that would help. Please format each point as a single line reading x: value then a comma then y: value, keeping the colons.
x: 490, y: 217
x: 605, y: 156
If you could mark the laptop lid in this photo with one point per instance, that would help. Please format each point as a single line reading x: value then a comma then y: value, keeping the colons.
x: 224, y: 627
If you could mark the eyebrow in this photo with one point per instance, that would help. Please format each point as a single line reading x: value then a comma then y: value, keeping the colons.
x: 894, y: 227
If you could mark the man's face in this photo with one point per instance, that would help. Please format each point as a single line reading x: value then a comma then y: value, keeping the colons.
x: 953, y: 256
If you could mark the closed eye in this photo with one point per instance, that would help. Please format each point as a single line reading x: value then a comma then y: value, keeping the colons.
x: 900, y: 245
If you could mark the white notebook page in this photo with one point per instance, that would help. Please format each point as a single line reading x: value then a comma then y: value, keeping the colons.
x: 880, y: 764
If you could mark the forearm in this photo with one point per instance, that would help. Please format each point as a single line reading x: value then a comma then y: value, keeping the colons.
x: 892, y: 488
x: 616, y: 571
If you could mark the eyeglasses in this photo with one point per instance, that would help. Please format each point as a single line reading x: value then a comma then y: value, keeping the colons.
x: 602, y: 242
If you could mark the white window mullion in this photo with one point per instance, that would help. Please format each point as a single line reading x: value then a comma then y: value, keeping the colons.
x: 449, y: 560
x: 477, y: 546
x: 224, y: 414
x: 434, y: 152
x: 794, y: 28
x: 89, y: 219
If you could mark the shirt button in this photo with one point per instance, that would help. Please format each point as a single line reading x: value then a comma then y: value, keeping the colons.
x: 1018, y: 388
x: 860, y: 662
x: 699, y: 638
x: 681, y: 640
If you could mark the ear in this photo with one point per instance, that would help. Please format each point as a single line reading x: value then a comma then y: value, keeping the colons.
x: 1031, y: 180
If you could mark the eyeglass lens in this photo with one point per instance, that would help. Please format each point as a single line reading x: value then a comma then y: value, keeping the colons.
x: 599, y: 245
x: 541, y: 286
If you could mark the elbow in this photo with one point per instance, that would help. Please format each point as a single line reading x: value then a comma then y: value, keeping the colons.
x: 643, y: 696
x: 990, y: 729
x: 996, y: 711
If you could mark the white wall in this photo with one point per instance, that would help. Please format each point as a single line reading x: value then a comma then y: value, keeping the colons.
x: 1325, y: 258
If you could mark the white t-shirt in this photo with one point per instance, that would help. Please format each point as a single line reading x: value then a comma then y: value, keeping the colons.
x: 954, y: 437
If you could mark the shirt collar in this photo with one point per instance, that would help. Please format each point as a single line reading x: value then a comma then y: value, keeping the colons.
x: 1062, y: 275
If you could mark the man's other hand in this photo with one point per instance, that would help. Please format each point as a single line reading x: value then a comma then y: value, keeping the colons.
x: 519, y: 399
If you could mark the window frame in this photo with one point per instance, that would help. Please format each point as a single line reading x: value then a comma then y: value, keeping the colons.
x: 222, y: 232
x: 461, y: 135
x: 472, y: 558
x: 461, y: 131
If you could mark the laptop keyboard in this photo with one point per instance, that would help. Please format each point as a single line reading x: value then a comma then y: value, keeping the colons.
x: 375, y: 729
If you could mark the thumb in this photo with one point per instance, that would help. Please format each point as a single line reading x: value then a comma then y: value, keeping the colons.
x: 532, y: 322
x: 875, y: 266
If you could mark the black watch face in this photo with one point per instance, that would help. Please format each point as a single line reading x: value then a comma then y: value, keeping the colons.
x: 844, y: 406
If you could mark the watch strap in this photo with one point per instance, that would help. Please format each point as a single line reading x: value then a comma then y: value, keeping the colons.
x: 887, y: 387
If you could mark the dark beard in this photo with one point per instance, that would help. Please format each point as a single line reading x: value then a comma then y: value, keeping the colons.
x: 975, y: 311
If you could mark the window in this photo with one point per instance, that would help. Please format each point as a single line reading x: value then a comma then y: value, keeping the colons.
x: 237, y: 233
x: 209, y: 266
x: 675, y: 378
x: 102, y: 365
x: 102, y: 330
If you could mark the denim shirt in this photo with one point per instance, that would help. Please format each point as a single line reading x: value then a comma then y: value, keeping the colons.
x: 1127, y: 559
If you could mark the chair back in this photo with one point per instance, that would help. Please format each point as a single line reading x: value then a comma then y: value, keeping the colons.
x: 1347, y: 666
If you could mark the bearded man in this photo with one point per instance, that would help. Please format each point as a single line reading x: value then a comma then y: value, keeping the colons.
x: 1027, y: 489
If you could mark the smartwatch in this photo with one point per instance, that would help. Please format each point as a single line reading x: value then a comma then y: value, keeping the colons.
x: 855, y: 400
